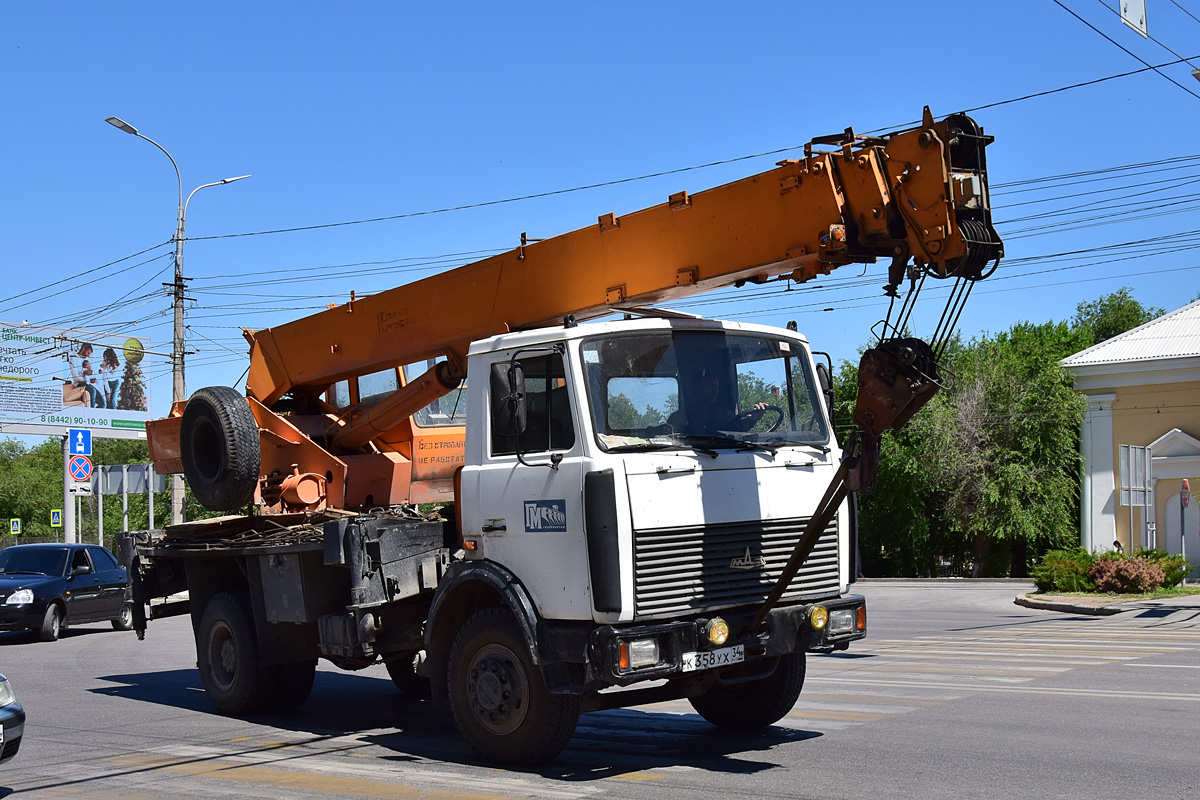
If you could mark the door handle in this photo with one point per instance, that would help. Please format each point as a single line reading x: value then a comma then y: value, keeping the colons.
x: 493, y: 526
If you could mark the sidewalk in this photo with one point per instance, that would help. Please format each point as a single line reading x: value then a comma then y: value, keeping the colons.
x: 1106, y: 606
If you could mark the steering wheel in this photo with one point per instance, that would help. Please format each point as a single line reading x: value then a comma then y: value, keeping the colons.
x: 746, y: 415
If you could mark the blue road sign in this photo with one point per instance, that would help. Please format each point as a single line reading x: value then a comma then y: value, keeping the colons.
x: 80, y: 468
x: 56, y: 518
x: 14, y: 527
x: 81, y: 441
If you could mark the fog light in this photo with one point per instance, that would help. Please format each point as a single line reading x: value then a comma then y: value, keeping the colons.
x: 817, y: 617
x: 717, y: 631
x: 841, y: 620
x: 638, y: 653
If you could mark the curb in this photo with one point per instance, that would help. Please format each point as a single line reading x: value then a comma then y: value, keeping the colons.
x: 1070, y: 608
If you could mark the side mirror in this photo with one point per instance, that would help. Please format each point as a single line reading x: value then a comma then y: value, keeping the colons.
x: 510, y: 412
x: 81, y: 571
x: 825, y: 379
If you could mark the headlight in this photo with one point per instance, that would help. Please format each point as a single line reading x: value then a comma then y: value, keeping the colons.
x: 841, y: 620
x: 7, y: 698
x: 20, y: 597
x: 817, y: 617
x: 717, y: 631
x: 637, y: 653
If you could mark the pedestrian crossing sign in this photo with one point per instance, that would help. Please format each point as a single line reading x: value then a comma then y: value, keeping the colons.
x: 56, y: 518
x: 14, y: 527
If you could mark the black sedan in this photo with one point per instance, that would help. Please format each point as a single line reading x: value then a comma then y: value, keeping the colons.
x: 12, y: 721
x: 44, y: 587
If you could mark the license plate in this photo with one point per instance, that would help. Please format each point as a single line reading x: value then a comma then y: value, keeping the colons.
x: 714, y: 658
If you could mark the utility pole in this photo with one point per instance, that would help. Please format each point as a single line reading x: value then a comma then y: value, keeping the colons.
x: 178, y: 392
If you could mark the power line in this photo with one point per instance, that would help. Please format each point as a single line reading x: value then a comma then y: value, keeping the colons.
x: 1126, y: 49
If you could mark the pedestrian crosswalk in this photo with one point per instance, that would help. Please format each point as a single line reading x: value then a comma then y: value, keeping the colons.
x: 886, y: 676
x: 880, y: 678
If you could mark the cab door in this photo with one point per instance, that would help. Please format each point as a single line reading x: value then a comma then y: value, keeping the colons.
x: 83, y: 588
x: 111, y: 579
x: 530, y: 481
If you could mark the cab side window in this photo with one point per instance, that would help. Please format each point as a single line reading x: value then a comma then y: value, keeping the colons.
x: 549, y: 424
x: 102, y: 559
x: 80, y: 559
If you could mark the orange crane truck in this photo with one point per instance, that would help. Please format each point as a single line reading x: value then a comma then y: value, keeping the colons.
x: 627, y: 511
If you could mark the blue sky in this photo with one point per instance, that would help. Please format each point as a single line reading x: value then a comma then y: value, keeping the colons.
x: 345, y: 112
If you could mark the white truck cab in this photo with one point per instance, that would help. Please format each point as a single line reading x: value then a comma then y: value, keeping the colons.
x: 652, y: 476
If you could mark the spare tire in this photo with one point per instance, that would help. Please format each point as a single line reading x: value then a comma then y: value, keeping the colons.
x: 218, y: 439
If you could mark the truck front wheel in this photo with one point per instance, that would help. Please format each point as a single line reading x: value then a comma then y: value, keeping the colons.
x: 227, y: 655
x: 500, y: 701
x: 757, y: 703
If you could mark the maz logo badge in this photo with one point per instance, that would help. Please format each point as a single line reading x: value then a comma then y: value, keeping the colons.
x: 748, y: 562
x: 545, y: 516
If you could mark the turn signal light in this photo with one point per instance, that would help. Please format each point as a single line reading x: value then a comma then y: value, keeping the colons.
x: 861, y: 622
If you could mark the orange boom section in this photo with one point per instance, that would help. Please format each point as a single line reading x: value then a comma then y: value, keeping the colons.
x: 918, y: 197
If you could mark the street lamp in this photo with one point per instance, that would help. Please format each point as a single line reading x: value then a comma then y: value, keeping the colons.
x: 177, y: 351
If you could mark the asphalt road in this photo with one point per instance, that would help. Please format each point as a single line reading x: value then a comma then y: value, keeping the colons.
x: 957, y: 693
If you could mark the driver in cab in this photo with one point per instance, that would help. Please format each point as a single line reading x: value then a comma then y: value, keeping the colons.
x: 703, y: 410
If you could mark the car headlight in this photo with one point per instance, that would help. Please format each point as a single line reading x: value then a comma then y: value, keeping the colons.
x: 20, y: 597
x: 7, y: 698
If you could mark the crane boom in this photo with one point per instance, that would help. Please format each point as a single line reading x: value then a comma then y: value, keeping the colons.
x: 920, y: 192
x: 918, y: 197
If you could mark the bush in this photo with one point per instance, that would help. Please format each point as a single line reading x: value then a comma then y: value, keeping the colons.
x: 1126, y: 575
x: 1175, y: 567
x: 1064, y: 571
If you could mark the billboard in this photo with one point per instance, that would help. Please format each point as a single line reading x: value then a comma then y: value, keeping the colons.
x: 52, y: 379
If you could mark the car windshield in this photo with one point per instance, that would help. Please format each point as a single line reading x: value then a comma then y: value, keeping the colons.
x: 33, y: 561
x: 710, y: 389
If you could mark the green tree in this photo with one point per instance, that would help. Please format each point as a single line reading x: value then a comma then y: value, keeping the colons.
x: 1112, y: 314
x: 1001, y: 444
x: 623, y: 415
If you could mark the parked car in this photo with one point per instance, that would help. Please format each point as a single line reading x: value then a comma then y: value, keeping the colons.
x: 45, y: 587
x: 12, y: 721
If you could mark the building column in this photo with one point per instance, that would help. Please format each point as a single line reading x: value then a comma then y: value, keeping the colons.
x: 1097, y: 512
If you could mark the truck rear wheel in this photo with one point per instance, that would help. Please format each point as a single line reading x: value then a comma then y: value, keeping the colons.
x: 500, y: 701
x: 293, y: 684
x: 227, y: 655
x: 218, y: 438
x: 757, y: 703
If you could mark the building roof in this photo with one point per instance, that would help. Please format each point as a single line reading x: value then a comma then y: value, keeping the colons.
x: 1171, y: 336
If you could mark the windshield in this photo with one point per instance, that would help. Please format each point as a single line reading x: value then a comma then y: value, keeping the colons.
x: 712, y: 389
x: 33, y: 561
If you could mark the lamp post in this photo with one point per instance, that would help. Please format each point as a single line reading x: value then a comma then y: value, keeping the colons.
x: 177, y: 388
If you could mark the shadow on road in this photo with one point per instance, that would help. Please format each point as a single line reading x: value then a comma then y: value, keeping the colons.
x: 606, y: 744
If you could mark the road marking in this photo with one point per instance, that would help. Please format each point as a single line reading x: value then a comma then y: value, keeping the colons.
x: 1164, y: 666
x: 1110, y: 693
x: 844, y: 716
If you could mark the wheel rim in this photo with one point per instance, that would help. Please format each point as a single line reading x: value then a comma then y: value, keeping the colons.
x: 222, y: 656
x: 55, y: 622
x: 497, y: 689
x: 126, y: 616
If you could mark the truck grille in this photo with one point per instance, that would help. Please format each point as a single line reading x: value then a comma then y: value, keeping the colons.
x: 691, y: 568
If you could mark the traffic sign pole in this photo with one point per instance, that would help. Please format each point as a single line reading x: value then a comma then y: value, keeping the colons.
x: 68, y: 498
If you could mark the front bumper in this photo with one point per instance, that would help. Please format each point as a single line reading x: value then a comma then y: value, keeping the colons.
x: 787, y: 629
x: 12, y: 723
x: 26, y: 617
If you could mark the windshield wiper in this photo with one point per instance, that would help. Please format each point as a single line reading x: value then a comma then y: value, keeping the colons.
x: 740, y: 444
x: 639, y: 446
